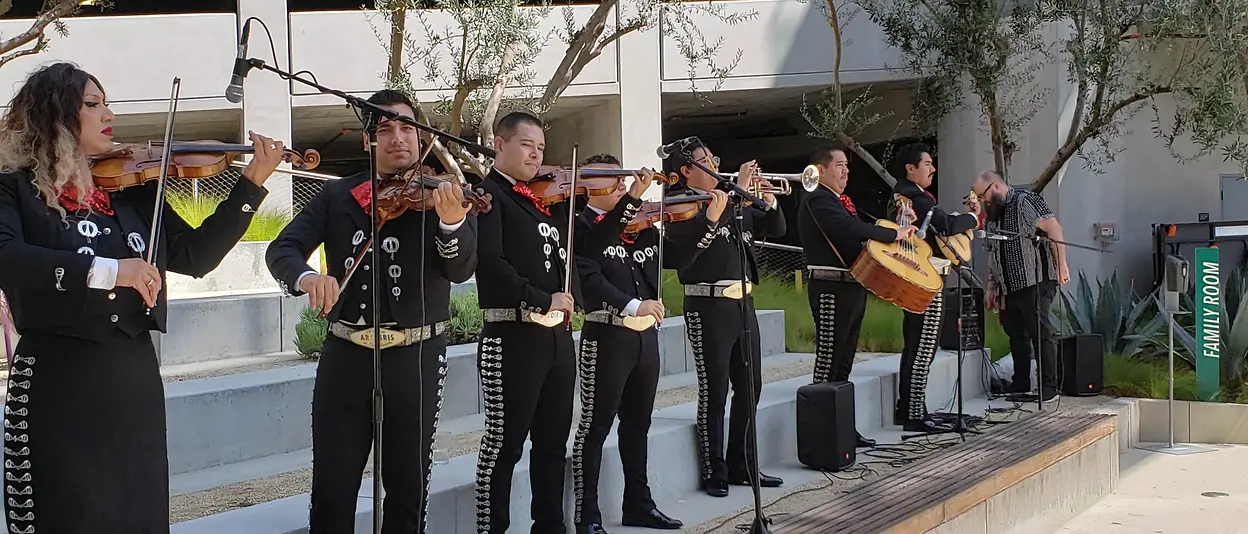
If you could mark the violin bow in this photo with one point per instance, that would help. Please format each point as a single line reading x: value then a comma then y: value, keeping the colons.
x: 570, y: 261
x: 662, y: 229
x: 166, y: 149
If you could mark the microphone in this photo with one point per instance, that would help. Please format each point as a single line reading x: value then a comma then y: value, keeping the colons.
x: 922, y: 233
x: 995, y: 237
x: 234, y: 91
x: 667, y: 150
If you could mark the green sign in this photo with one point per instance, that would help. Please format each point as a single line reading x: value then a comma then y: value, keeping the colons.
x: 1208, y: 322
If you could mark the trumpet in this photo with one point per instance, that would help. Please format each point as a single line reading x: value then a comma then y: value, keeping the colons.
x: 778, y: 184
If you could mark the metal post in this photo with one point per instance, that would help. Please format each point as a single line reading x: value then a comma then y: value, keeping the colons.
x: 1170, y: 398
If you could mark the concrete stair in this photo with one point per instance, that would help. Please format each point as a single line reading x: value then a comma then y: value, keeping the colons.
x: 240, y: 417
x: 673, y: 473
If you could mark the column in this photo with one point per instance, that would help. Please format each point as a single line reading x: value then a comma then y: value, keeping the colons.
x: 266, y: 97
x: 641, y: 99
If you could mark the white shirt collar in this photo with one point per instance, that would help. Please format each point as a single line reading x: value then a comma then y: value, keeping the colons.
x: 504, y: 175
x: 596, y: 210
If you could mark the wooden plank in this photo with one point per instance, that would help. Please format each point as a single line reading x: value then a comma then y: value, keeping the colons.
x: 946, y: 484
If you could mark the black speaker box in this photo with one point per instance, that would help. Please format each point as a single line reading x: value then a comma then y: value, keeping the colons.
x: 826, y: 438
x: 972, y: 319
x: 1081, y: 365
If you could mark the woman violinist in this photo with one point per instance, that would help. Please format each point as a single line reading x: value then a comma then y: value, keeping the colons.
x: 84, y: 417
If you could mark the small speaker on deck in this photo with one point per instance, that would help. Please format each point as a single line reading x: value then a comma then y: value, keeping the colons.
x: 826, y: 438
x: 1081, y: 365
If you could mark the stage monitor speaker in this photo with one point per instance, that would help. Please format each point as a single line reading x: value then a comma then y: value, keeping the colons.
x: 1082, y: 365
x: 972, y: 321
x: 826, y: 438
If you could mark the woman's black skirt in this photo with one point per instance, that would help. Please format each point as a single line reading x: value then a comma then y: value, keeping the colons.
x: 84, y: 437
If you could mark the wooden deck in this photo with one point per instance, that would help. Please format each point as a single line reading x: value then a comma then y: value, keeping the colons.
x: 938, y: 488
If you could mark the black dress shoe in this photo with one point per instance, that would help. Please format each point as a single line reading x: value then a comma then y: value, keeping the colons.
x: 865, y: 442
x: 716, y: 488
x: 764, y: 481
x: 592, y: 528
x: 652, y: 519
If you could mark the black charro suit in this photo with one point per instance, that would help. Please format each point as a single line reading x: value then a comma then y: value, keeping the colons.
x: 528, y: 371
x: 832, y: 237
x: 707, y: 257
x: 922, y: 331
x: 412, y: 376
x: 619, y: 367
x: 85, y: 443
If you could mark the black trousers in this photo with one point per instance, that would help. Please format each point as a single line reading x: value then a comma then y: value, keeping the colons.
x: 921, y: 332
x: 528, y: 374
x: 837, y: 308
x: 84, y: 437
x: 715, y: 328
x: 619, y: 375
x: 342, y: 432
x: 1028, y: 323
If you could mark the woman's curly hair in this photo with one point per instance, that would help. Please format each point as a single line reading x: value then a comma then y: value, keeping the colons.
x: 40, y: 132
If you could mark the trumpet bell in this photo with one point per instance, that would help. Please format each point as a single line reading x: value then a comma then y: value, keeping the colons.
x: 810, y: 178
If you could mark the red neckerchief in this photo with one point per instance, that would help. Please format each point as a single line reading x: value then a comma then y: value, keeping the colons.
x: 849, y: 205
x: 525, y: 192
x: 929, y: 195
x: 97, y: 200
x: 363, y: 194
x: 624, y: 236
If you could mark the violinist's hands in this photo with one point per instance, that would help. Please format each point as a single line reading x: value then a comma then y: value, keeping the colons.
x: 140, y: 275
x: 906, y: 232
x: 449, y: 202
x: 719, y: 201
x: 268, y: 154
x: 562, y: 302
x: 641, y: 183
x: 322, y: 292
x: 652, y: 308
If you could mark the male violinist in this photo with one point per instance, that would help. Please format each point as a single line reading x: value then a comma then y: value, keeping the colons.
x: 619, y: 360
x: 706, y: 254
x: 921, y: 331
x: 419, y: 255
x: 527, y: 364
x: 832, y: 235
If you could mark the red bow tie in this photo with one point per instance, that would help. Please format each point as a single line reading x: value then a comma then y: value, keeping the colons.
x: 526, y: 192
x: 849, y: 205
x: 97, y: 200
x: 363, y: 194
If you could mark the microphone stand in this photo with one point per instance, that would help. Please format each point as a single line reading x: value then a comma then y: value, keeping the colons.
x: 371, y: 117
x: 964, y: 272
x: 739, y: 197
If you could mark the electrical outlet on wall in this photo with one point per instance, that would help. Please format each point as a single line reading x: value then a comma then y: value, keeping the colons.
x: 1105, y: 231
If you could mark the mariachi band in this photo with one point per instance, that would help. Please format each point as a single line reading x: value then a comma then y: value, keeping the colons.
x: 86, y: 256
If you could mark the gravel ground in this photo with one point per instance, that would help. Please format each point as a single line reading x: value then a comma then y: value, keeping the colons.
x: 203, y: 503
x: 812, y: 494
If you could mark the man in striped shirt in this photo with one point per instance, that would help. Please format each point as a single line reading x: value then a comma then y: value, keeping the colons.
x: 1024, y: 274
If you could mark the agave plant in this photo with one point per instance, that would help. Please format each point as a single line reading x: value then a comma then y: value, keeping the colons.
x: 1125, y: 321
x: 310, y: 333
x: 1232, y: 325
x: 466, y: 318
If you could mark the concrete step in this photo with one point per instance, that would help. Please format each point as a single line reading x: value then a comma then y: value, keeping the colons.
x: 210, y: 326
x: 673, y: 474
x: 239, y: 417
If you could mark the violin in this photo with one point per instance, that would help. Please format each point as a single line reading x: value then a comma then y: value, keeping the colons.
x: 552, y: 184
x: 134, y: 164
x: 407, y: 192
x: 675, y: 208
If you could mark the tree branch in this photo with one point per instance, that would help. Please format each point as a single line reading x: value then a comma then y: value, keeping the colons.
x: 39, y: 45
x: 457, y: 105
x: 581, y: 42
x: 60, y: 9
x: 496, y: 94
x: 841, y: 136
x: 1090, y: 130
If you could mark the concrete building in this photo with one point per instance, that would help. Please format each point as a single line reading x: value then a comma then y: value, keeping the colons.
x: 629, y: 100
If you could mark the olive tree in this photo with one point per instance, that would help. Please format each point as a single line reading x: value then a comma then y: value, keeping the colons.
x: 35, y: 39
x: 493, y: 44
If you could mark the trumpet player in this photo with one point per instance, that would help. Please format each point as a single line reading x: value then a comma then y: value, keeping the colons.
x: 921, y: 331
x: 706, y: 254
